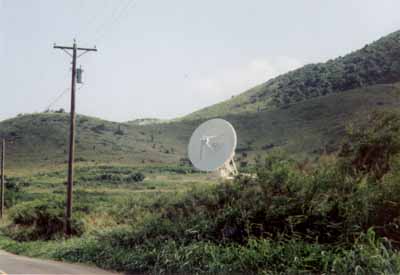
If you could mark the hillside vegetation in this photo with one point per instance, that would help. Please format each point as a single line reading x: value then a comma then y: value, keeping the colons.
x: 303, y: 130
x: 376, y: 63
x: 42, y: 139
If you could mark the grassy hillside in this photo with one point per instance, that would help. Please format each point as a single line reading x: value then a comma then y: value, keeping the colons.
x: 376, y: 63
x: 302, y: 129
x: 42, y: 139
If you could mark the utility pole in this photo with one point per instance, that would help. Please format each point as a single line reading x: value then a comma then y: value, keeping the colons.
x: 3, y: 187
x: 71, y: 151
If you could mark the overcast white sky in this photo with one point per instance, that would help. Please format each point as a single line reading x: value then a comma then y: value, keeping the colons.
x: 165, y: 59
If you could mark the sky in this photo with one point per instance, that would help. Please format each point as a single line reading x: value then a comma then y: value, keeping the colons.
x: 165, y: 59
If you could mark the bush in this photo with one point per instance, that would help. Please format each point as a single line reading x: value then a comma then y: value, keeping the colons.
x: 135, y: 177
x: 12, y: 184
x: 13, y: 191
x: 320, y: 205
x: 40, y: 220
x: 121, y: 178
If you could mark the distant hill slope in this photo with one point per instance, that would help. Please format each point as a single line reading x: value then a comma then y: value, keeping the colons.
x: 376, y: 63
x: 302, y: 129
x: 42, y: 139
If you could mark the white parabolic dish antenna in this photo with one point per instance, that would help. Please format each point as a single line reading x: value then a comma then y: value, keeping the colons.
x: 212, y: 147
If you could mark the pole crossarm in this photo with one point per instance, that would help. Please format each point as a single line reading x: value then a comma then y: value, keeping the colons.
x: 62, y: 47
x: 66, y: 48
x: 79, y: 49
x: 87, y: 49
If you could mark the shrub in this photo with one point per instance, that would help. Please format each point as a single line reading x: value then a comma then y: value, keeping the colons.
x: 12, y: 184
x: 13, y: 190
x: 135, y: 177
x: 121, y: 178
x: 40, y: 220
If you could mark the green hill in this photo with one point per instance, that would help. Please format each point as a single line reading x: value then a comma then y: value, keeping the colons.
x: 376, y: 63
x: 303, y: 129
x: 42, y: 139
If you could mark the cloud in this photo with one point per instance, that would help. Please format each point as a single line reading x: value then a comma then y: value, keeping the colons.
x: 224, y: 83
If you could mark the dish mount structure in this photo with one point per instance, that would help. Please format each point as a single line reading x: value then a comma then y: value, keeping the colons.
x: 212, y: 147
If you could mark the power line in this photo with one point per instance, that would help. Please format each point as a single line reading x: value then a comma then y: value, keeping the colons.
x: 106, y: 19
x: 57, y: 98
x: 91, y: 22
x: 120, y: 17
x: 113, y: 17
x: 117, y: 15
x: 60, y: 96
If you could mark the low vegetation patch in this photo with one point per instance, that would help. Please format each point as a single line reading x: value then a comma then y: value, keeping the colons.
x: 41, y: 220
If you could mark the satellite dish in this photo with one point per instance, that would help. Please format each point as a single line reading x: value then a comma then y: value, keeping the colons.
x: 212, y: 147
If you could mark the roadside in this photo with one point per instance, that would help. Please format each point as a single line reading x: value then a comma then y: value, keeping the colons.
x: 35, y: 261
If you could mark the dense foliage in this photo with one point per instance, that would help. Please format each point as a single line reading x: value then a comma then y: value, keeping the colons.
x: 374, y: 64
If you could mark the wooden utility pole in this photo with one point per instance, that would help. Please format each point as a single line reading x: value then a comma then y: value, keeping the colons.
x: 71, y: 151
x: 2, y: 183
